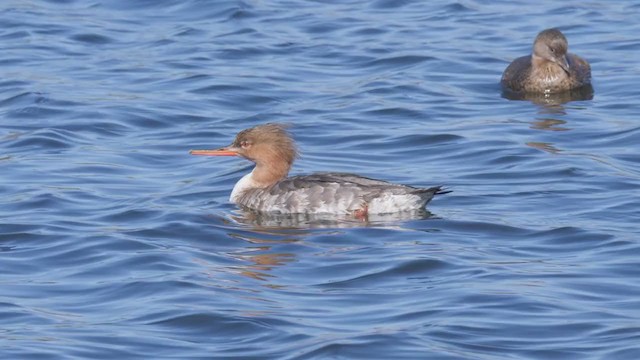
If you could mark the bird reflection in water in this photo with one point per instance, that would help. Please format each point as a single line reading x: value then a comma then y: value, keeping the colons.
x: 550, y: 106
x: 266, y: 233
x: 261, y: 265
x: 549, y: 124
x: 548, y: 147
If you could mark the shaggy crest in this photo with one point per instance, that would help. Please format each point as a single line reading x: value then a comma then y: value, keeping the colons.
x: 270, y: 140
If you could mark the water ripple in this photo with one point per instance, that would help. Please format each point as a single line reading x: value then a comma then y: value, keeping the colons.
x: 116, y: 243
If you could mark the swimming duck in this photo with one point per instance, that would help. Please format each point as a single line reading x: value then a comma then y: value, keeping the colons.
x: 268, y: 189
x: 549, y: 69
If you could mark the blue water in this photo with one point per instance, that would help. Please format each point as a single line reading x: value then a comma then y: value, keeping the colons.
x: 115, y: 243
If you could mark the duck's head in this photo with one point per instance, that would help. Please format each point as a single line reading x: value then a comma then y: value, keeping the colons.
x: 268, y: 145
x: 551, y: 45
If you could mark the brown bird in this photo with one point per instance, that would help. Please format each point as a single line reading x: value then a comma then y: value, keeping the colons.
x: 549, y: 69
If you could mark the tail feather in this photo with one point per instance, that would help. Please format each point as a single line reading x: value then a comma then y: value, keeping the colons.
x: 441, y: 190
x: 428, y: 194
x: 435, y: 190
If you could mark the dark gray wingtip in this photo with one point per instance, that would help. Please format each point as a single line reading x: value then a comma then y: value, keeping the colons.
x: 434, y: 190
x: 440, y: 190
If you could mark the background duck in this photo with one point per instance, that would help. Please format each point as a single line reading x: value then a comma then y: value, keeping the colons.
x: 549, y: 69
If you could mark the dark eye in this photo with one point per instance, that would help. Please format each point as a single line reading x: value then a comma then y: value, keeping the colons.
x: 244, y: 144
x: 552, y: 50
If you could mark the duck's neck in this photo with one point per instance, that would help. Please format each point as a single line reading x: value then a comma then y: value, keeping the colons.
x: 547, y: 70
x: 262, y: 176
x: 268, y: 173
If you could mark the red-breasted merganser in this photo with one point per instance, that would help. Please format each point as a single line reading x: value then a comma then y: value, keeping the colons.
x: 268, y: 189
x: 549, y: 69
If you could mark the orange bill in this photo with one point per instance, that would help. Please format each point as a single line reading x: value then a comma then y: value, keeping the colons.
x: 217, y: 152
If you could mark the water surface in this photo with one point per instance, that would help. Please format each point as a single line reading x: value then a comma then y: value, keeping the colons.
x: 114, y: 242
